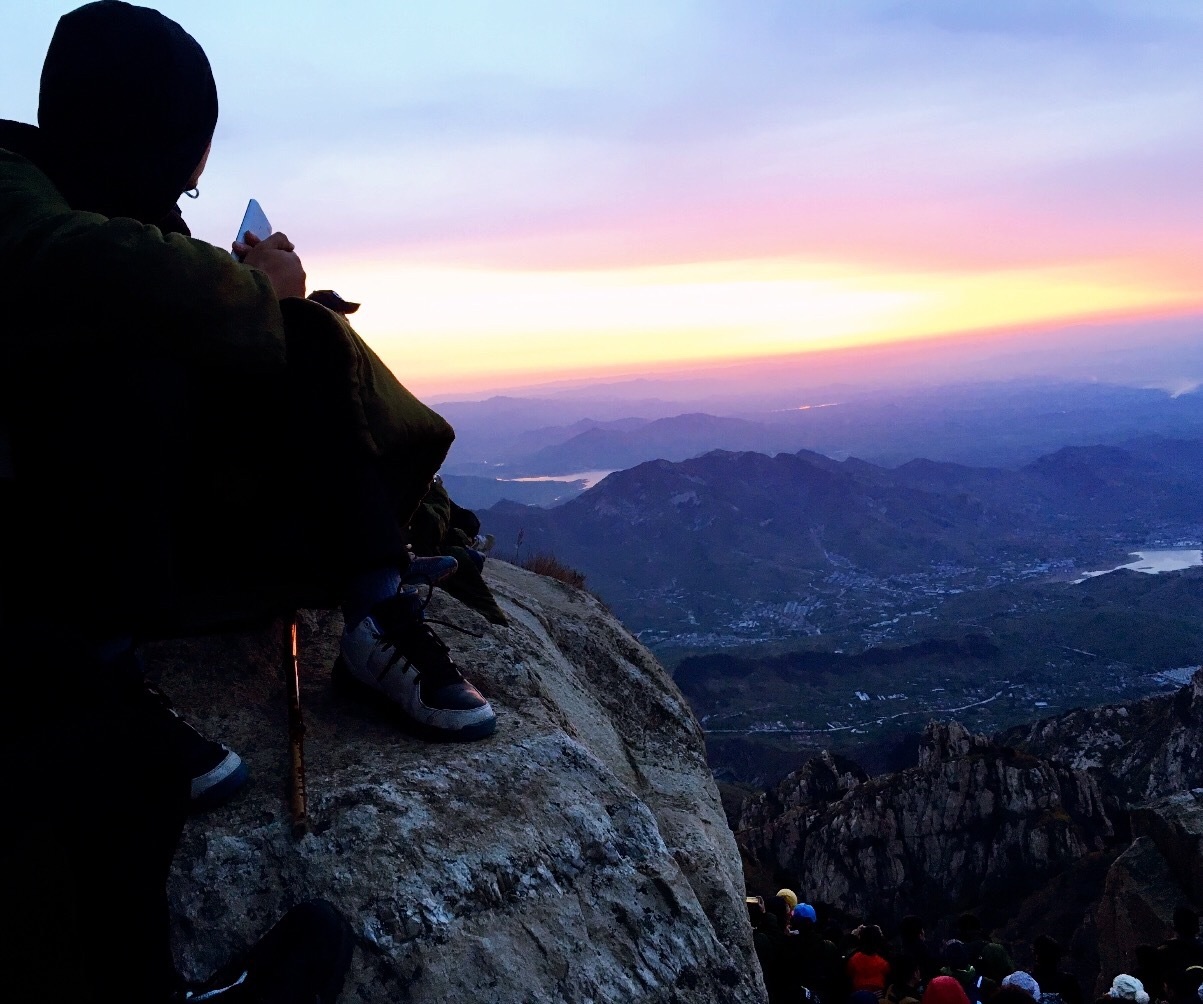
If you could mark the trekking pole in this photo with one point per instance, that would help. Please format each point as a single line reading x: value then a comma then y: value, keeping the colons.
x: 296, y: 730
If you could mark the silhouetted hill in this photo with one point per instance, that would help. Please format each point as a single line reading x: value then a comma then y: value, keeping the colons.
x: 554, y: 435
x: 675, y: 438
x: 676, y: 544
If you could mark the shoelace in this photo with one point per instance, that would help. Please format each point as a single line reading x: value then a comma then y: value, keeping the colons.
x: 216, y: 991
x: 425, y: 651
x: 412, y: 639
x: 437, y: 620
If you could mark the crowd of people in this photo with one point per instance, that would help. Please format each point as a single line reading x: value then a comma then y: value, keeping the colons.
x: 808, y: 955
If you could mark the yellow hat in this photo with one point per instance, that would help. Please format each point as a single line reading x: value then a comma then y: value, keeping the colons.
x: 789, y: 896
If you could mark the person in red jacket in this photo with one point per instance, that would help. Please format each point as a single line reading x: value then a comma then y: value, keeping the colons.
x: 867, y: 967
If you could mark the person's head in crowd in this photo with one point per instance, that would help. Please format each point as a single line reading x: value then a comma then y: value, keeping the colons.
x: 1147, y: 962
x: 1010, y: 995
x: 955, y: 955
x: 969, y: 928
x: 870, y: 939
x: 789, y: 896
x: 1186, y: 922
x: 778, y: 910
x: 945, y: 990
x: 1047, y: 951
x: 755, y: 910
x: 910, y: 928
x: 906, y: 971
x: 1023, y: 981
x: 1183, y: 987
x: 803, y: 916
x: 1128, y: 988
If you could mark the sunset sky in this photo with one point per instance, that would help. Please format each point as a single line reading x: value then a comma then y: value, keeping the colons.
x: 530, y: 191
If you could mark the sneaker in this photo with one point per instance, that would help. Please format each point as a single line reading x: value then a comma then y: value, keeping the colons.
x: 216, y: 772
x: 395, y: 654
x: 483, y: 544
x: 429, y: 571
x: 302, y: 960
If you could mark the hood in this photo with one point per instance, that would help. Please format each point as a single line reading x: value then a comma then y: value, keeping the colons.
x: 127, y: 108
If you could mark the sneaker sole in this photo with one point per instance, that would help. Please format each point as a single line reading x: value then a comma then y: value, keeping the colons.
x: 220, y: 784
x: 344, y: 680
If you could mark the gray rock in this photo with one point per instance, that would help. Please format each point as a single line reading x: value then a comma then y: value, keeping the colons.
x: 1162, y: 869
x: 1138, y: 752
x: 1175, y: 825
x: 975, y: 822
x: 822, y: 779
x: 579, y: 855
x: 942, y: 742
x: 1136, y: 907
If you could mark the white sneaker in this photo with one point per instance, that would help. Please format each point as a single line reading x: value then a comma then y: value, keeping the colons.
x: 395, y: 654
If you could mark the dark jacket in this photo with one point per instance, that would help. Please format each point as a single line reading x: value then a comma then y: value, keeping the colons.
x: 150, y: 388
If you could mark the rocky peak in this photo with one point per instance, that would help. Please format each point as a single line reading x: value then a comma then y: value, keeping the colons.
x: 942, y: 742
x: 580, y: 854
x: 820, y: 780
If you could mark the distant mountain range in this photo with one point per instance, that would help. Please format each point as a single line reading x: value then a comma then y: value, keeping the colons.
x: 998, y: 424
x: 615, y: 447
x: 675, y: 545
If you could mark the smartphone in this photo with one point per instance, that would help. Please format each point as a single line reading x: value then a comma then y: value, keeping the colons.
x: 254, y: 221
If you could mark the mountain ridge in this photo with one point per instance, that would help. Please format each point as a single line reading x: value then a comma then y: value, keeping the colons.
x: 725, y: 520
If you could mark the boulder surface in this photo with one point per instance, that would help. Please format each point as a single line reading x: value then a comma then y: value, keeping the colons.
x: 579, y: 855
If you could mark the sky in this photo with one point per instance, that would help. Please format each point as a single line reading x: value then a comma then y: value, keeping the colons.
x: 547, y: 191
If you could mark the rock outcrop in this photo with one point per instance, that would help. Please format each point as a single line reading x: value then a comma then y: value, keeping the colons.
x: 580, y: 855
x: 1147, y: 757
x: 1140, y: 751
x: 974, y: 821
x: 1162, y: 869
x: 822, y: 779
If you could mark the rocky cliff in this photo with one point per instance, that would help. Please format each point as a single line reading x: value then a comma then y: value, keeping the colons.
x: 1088, y: 826
x: 579, y: 855
x: 1139, y: 751
x: 1162, y: 869
x: 1148, y: 758
x: 974, y: 821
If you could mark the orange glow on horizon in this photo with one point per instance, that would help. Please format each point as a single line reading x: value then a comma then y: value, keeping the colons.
x: 459, y: 330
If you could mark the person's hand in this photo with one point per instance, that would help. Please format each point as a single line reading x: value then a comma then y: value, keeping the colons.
x: 276, y: 257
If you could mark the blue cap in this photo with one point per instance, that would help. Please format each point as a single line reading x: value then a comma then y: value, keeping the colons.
x: 804, y: 911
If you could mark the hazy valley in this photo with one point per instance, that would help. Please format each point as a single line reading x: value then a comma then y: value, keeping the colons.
x: 806, y: 601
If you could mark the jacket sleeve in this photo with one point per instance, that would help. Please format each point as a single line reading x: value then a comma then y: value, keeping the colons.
x: 97, y: 283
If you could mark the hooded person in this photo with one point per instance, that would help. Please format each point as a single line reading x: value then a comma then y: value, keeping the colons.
x: 207, y: 445
x: 804, y: 913
x: 1023, y: 981
x: 1128, y: 988
x: 944, y: 990
x: 122, y: 137
x: 186, y: 444
x: 1056, y: 986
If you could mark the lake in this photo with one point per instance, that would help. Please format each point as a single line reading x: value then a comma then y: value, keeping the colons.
x: 589, y: 477
x: 1151, y: 562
